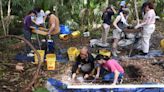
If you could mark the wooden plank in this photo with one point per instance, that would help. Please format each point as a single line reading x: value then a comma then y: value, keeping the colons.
x: 40, y: 32
x: 92, y: 86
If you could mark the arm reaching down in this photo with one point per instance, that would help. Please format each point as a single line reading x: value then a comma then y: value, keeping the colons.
x: 116, y: 75
x: 118, y: 18
x: 98, y: 73
x: 52, y: 28
x: 123, y: 19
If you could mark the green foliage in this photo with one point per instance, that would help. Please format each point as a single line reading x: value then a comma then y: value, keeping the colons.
x: 41, y: 90
x: 70, y: 10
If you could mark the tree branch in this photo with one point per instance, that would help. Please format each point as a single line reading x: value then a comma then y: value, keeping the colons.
x: 30, y: 85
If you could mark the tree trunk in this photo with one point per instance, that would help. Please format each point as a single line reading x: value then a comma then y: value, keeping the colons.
x: 34, y: 1
x: 8, y: 17
x: 2, y: 18
x: 136, y: 10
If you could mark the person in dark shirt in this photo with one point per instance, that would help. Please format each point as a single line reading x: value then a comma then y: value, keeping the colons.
x: 106, y: 17
x: 27, y: 27
x: 84, y: 64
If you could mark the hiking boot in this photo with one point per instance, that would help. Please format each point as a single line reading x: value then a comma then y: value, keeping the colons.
x: 114, y: 53
x: 118, y: 52
x: 30, y: 54
x: 103, y: 45
x: 143, y: 54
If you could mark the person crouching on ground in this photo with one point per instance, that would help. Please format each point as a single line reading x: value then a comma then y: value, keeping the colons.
x: 148, y: 25
x: 120, y: 24
x: 84, y: 64
x: 109, y: 69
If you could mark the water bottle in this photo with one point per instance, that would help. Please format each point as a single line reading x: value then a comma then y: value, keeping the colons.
x: 50, y: 45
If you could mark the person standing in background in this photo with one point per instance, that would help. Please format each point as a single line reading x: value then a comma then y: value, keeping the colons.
x: 106, y: 17
x: 53, y: 23
x: 120, y: 24
x: 40, y: 18
x: 148, y: 25
x: 27, y: 23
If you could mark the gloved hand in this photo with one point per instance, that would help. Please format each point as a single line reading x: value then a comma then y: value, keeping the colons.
x: 120, y: 30
x: 130, y: 25
x: 97, y: 76
x: 137, y: 26
x: 79, y: 66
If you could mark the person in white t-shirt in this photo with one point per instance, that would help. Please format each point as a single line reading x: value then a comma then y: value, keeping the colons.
x: 40, y: 19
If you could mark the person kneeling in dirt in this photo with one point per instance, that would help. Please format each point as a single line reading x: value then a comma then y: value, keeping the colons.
x: 84, y: 64
x: 120, y: 24
x: 109, y: 69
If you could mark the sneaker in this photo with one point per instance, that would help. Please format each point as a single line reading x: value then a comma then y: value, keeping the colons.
x: 103, y: 45
x: 30, y: 54
x: 143, y: 54
x: 31, y: 51
x: 114, y: 54
x: 118, y: 52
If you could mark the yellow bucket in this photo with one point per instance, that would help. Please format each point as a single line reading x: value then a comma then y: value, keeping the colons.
x: 64, y: 36
x: 162, y: 44
x: 105, y: 52
x: 41, y: 53
x: 50, y: 59
x: 73, y: 52
x: 75, y: 34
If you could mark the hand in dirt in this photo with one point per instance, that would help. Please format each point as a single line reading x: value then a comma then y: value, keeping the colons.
x: 86, y: 76
x: 97, y: 76
x: 73, y: 80
x: 113, y: 84
x: 137, y: 26
x: 79, y: 66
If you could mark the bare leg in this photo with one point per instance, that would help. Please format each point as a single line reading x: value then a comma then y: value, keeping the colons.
x: 114, y: 46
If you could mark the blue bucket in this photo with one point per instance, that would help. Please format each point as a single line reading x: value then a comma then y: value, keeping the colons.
x: 64, y: 29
